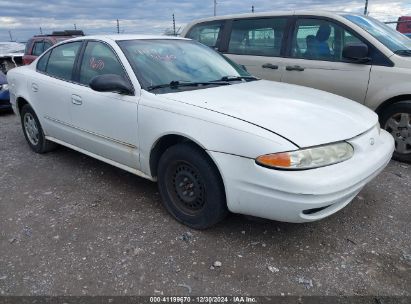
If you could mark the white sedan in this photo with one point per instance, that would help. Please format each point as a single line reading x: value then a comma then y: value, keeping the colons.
x: 216, y: 138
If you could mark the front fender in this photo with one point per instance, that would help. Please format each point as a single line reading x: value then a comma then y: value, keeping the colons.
x: 210, y: 130
x: 386, y: 83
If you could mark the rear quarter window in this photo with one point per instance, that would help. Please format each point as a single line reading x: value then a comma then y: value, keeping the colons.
x: 207, y: 33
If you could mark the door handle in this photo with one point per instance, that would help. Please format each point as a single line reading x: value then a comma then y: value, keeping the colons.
x: 269, y: 66
x: 34, y: 87
x: 294, y: 68
x: 75, y: 99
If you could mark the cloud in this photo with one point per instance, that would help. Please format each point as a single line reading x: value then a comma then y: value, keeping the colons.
x: 24, y: 18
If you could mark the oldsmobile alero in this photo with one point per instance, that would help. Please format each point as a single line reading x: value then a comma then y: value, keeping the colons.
x: 215, y: 138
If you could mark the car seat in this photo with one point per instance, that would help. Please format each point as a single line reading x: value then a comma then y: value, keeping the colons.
x: 322, y: 48
x: 311, y: 47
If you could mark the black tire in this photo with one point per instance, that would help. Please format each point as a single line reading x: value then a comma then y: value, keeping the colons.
x: 39, y: 143
x: 400, y: 132
x: 191, y: 186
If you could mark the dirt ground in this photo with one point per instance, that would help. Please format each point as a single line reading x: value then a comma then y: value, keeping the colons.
x: 72, y: 225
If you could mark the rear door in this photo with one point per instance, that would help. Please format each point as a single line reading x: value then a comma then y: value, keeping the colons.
x: 50, y: 90
x: 315, y: 59
x: 104, y: 123
x: 258, y: 45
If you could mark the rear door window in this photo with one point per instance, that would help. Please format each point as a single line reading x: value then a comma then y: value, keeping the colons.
x: 260, y: 37
x: 61, y: 60
x: 207, y: 33
x: 42, y: 63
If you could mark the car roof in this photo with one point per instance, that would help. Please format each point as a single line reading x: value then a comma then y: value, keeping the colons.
x: 273, y: 13
x: 122, y: 37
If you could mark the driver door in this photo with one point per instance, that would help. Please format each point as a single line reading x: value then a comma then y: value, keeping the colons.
x: 105, y: 122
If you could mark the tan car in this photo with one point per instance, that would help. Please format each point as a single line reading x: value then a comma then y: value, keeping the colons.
x: 351, y: 55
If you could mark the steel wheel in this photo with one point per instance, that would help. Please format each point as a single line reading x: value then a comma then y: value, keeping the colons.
x: 31, y: 128
x: 186, y: 187
x: 399, y: 125
x: 191, y: 186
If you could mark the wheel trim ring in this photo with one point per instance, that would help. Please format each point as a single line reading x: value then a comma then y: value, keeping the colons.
x: 31, y: 128
x: 399, y: 125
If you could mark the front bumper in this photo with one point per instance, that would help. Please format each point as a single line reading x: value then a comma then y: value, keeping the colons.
x: 303, y: 196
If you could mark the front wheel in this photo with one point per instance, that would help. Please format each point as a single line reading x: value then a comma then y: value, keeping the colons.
x: 191, y: 187
x: 396, y: 119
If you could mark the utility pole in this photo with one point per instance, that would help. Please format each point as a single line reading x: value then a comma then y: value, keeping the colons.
x: 366, y: 8
x: 118, y: 27
x: 11, y: 37
x: 174, y: 26
x: 252, y: 8
x: 215, y: 7
x: 41, y: 31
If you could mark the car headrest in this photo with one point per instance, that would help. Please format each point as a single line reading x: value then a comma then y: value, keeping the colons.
x: 323, y: 32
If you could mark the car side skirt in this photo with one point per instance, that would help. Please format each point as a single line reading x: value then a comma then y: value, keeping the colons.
x: 103, y: 159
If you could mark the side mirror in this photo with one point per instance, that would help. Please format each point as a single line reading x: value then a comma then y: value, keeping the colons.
x: 111, y: 83
x: 356, y: 52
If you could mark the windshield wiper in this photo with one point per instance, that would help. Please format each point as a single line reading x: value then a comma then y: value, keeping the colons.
x: 236, y: 78
x: 175, y: 84
x: 403, y: 52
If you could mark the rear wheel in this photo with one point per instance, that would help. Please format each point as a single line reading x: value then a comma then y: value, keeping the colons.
x: 33, y: 132
x: 191, y: 187
x: 396, y: 119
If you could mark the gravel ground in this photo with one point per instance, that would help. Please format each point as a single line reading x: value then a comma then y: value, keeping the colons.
x: 72, y: 225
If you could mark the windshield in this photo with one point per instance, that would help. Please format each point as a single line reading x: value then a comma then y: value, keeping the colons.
x: 395, y: 41
x: 160, y: 62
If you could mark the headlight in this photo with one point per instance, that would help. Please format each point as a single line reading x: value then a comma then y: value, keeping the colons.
x: 308, y: 158
x: 4, y: 87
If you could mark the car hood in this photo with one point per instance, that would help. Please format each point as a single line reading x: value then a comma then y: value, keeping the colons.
x: 305, y: 116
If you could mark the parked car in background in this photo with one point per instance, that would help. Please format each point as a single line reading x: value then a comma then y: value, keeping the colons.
x: 40, y: 43
x: 351, y: 55
x: 215, y: 137
x: 11, y: 54
x: 4, y: 93
x: 404, y: 25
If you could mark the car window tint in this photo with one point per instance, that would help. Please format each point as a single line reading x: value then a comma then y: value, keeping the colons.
x: 318, y: 39
x: 61, y: 61
x: 99, y: 59
x: 37, y: 48
x: 42, y: 63
x: 47, y: 45
x: 208, y: 34
x: 261, y: 37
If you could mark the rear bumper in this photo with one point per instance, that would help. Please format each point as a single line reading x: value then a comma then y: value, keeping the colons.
x: 303, y: 196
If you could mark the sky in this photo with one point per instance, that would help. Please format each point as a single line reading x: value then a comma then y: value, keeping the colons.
x: 23, y: 18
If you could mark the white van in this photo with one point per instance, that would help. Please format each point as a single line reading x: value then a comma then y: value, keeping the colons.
x: 351, y: 55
